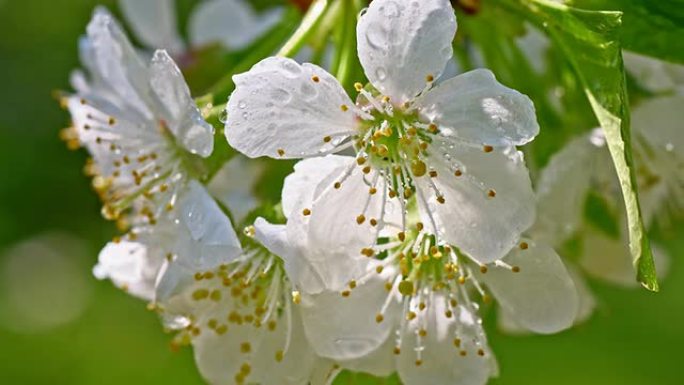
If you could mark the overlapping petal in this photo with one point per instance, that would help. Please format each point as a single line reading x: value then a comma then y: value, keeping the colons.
x: 177, y: 106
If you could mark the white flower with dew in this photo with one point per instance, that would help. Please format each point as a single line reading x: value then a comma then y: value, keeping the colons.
x: 138, y: 121
x: 411, y: 303
x: 154, y: 262
x: 243, y: 323
x: 232, y: 23
x: 449, y: 148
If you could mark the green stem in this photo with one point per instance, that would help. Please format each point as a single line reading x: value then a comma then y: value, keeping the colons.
x: 314, y: 15
x: 347, y: 50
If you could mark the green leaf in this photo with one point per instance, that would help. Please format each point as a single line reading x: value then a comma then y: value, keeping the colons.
x: 590, y: 40
x: 650, y: 27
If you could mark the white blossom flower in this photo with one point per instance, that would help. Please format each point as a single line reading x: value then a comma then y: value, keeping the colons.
x: 450, y: 148
x: 138, y: 121
x: 233, y: 305
x: 585, y: 166
x: 232, y: 23
x: 410, y: 303
x: 153, y: 262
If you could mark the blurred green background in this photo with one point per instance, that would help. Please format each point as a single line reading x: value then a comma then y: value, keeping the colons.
x: 58, y: 325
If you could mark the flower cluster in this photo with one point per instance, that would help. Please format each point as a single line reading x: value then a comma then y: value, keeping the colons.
x: 410, y: 210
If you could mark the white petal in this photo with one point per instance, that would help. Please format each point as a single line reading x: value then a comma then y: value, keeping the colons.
x: 541, y: 297
x: 300, y: 186
x: 562, y: 191
x: 209, y: 239
x: 587, y: 302
x: 279, y: 110
x: 230, y: 22
x: 334, y: 225
x: 401, y: 43
x: 117, y: 64
x: 324, y: 372
x: 380, y: 363
x: 130, y: 265
x: 232, y: 186
x: 298, y: 361
x: 442, y: 363
x: 303, y: 274
x: 184, y: 118
x: 474, y: 107
x: 344, y: 328
x: 482, y: 225
x: 154, y: 23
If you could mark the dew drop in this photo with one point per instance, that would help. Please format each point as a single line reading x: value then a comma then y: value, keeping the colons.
x: 381, y: 73
x: 242, y: 105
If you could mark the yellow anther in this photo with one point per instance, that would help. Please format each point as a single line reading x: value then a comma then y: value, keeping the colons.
x: 215, y: 296
x: 422, y: 332
x: 524, y: 246
x: 487, y: 148
x: 386, y: 99
x: 448, y: 314
x: 346, y: 293
x: 483, y: 269
x: 419, y: 362
x: 406, y: 287
x: 457, y: 342
x: 422, y: 306
x: 358, y: 87
x: 463, y: 353
x: 433, y: 128
x: 245, y: 347
x: 279, y: 355
x: 360, y: 161
x: 368, y: 252
x: 366, y: 170
x: 458, y: 173
x: 433, y: 174
x: 327, y: 139
x: 410, y: 316
x: 383, y: 150
x: 379, y: 269
x: 221, y: 330
x: 401, y: 236
x: 480, y: 352
x: 271, y: 325
x: 441, y: 199
x: 373, y: 222
x: 372, y: 190
x: 420, y: 226
x: 315, y: 79
x: 296, y: 297
x: 418, y: 167
x: 429, y: 78
x: 200, y: 294
x: 408, y: 193
x: 396, y: 350
x: 337, y: 185
x: 515, y: 269
x: 111, y: 121
x: 360, y: 219
x: 281, y: 152
x: 491, y: 193
x: 306, y: 212
x: 344, y: 108
x: 352, y: 284
x: 379, y: 318
x: 462, y: 280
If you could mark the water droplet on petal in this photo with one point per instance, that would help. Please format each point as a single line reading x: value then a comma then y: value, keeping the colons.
x: 381, y: 73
